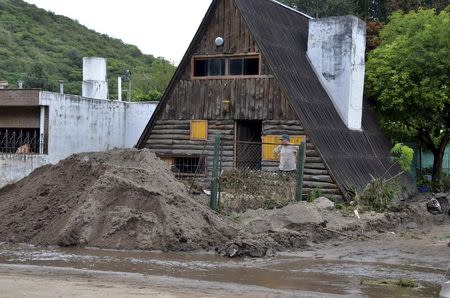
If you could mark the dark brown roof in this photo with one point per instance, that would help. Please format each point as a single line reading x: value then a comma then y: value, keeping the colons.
x: 281, y: 33
x: 351, y: 156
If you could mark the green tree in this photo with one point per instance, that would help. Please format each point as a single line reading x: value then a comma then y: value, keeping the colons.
x: 325, y: 8
x: 37, y: 78
x: 369, y: 10
x: 408, y: 76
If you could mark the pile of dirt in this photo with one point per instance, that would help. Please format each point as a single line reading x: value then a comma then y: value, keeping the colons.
x: 304, y: 225
x: 122, y: 199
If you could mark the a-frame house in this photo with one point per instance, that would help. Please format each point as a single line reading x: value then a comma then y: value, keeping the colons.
x: 247, y: 69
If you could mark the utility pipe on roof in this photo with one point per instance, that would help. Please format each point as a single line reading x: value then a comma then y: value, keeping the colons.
x: 41, y: 130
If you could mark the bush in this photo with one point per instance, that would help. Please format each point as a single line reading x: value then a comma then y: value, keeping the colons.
x: 378, y: 195
x: 443, y: 185
x: 314, y: 194
x: 403, y: 156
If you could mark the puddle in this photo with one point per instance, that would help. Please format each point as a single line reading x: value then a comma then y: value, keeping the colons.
x: 288, y: 273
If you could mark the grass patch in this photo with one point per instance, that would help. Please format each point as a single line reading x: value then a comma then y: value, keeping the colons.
x: 402, y: 282
x: 442, y: 237
x: 406, y: 283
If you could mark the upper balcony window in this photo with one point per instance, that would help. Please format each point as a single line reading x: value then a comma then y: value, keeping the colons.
x: 209, y: 67
x: 228, y: 66
x: 244, y: 66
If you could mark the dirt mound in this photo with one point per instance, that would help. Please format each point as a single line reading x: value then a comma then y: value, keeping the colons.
x: 124, y: 199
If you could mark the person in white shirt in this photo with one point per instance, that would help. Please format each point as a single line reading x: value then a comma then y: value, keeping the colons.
x: 287, y: 153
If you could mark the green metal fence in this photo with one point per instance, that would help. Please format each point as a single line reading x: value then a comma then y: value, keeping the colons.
x: 252, y: 182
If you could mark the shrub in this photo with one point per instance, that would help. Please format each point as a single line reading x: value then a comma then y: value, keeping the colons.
x: 314, y: 194
x: 378, y: 195
x: 403, y: 156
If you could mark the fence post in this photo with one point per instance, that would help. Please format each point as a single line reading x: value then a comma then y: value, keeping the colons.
x: 300, y: 169
x: 215, y: 174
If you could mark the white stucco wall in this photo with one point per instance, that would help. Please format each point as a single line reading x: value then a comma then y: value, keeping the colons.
x: 78, y: 124
x: 336, y: 49
x: 14, y: 167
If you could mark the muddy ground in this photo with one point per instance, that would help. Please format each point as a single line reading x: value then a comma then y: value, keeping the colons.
x: 129, y: 199
x: 339, y: 269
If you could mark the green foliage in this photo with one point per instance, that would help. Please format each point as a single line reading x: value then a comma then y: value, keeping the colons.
x: 378, y: 195
x: 403, y: 156
x: 345, y: 209
x: 371, y: 10
x: 406, y: 283
x: 314, y: 194
x: 272, y: 203
x: 408, y: 75
x: 325, y: 8
x: 37, y: 77
x: 441, y: 185
x: 402, y: 282
x: 42, y: 48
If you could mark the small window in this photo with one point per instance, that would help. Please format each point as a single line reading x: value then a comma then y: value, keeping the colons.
x: 216, y: 67
x: 236, y: 67
x: 189, y: 165
x: 244, y: 66
x: 209, y: 67
x: 199, y: 130
x: 200, y: 68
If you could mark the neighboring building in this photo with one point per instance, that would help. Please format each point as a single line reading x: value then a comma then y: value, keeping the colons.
x: 37, y: 128
x: 257, y: 69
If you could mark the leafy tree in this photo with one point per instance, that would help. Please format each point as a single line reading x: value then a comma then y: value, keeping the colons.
x: 369, y: 10
x: 37, y: 78
x: 373, y: 39
x: 324, y: 8
x: 408, y: 75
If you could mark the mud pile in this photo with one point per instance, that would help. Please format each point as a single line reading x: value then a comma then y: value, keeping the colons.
x: 123, y: 199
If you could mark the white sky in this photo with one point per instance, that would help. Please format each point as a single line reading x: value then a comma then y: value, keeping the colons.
x: 158, y: 27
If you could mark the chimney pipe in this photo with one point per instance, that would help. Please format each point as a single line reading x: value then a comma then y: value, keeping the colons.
x: 119, y: 88
x: 20, y: 84
x: 95, y: 84
x: 336, y: 50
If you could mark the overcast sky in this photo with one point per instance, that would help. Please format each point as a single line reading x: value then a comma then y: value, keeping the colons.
x: 158, y: 27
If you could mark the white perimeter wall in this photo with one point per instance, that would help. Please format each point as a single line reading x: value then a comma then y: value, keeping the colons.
x: 78, y: 124
x: 14, y: 167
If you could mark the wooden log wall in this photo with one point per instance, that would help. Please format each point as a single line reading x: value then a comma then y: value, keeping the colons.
x: 171, y: 138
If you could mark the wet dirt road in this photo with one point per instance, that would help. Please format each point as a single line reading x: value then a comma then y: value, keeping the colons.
x: 210, y: 275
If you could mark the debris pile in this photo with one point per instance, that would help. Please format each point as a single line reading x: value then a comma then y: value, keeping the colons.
x: 122, y: 199
x: 439, y: 204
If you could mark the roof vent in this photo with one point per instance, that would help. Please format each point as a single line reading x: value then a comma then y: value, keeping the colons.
x: 336, y: 49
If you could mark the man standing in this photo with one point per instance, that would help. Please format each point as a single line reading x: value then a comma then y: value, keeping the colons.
x: 288, y: 155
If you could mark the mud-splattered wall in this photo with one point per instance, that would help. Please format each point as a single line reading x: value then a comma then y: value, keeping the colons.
x: 79, y: 124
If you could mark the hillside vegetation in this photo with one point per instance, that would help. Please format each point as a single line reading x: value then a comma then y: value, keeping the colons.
x: 41, y: 48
